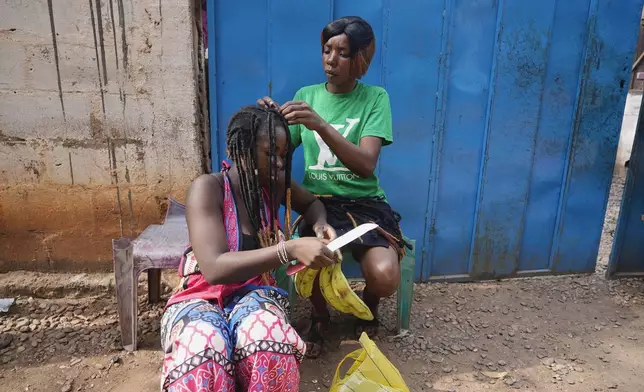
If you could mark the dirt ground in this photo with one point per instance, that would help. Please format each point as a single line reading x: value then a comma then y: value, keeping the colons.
x: 576, y: 333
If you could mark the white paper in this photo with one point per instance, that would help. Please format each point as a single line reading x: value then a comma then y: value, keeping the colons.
x: 5, y: 304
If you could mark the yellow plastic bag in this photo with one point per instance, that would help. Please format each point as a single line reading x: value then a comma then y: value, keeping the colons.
x: 371, y: 371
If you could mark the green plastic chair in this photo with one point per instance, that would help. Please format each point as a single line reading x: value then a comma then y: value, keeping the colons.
x: 405, y: 294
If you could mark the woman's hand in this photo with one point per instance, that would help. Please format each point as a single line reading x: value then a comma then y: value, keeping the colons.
x: 299, y: 112
x: 267, y: 102
x: 325, y: 231
x: 310, y: 251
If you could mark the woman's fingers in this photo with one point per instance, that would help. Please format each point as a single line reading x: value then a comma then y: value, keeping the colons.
x: 291, y: 107
x: 293, y: 117
x: 329, y: 254
x: 267, y: 102
x: 329, y: 233
x: 324, y: 261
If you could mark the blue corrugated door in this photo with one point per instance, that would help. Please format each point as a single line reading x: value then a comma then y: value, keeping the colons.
x: 506, y: 116
x: 627, y: 258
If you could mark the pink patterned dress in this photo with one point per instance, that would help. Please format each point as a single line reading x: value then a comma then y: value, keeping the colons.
x: 229, y: 337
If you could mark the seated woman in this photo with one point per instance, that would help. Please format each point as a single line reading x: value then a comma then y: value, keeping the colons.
x: 227, y: 328
x: 342, y: 125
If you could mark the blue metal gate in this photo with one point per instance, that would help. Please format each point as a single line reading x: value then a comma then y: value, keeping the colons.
x: 506, y: 116
x: 627, y: 258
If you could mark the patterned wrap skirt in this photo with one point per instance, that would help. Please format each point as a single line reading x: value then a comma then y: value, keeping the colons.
x: 247, y: 346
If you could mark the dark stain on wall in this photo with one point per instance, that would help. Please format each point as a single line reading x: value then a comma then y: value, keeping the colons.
x: 98, y: 65
x: 123, y: 37
x: 116, y: 52
x: 54, y: 40
x: 119, y: 3
x: 11, y: 140
x: 98, y: 143
x: 101, y: 40
x: 95, y: 126
x: 116, y: 49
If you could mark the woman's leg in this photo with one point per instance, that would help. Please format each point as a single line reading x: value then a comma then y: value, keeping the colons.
x: 198, y: 349
x: 381, y: 270
x: 320, y: 318
x: 267, y: 350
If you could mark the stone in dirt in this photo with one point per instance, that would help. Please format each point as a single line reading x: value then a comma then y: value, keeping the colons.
x: 510, y: 381
x: 59, y: 335
x: 495, y: 375
x: 5, y: 340
x: 21, y: 323
x: 548, y: 361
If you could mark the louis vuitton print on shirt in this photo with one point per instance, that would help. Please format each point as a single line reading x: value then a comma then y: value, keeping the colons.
x: 365, y: 111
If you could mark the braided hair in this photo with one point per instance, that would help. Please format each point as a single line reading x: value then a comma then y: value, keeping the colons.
x: 261, y: 204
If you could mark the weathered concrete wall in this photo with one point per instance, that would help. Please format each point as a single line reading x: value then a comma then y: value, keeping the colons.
x: 627, y: 135
x: 100, y: 119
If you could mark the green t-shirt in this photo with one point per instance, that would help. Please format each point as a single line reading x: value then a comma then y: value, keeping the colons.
x: 365, y: 111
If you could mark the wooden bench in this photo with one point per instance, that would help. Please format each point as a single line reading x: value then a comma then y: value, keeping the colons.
x: 162, y: 246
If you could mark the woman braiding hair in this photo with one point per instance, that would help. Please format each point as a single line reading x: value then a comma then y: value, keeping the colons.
x: 342, y: 125
x: 227, y: 328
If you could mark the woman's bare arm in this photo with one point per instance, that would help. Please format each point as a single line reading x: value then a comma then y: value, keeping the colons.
x: 208, y: 239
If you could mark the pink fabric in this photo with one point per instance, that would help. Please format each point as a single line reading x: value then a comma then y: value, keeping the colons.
x: 195, y: 286
x: 283, y: 377
x: 252, y: 348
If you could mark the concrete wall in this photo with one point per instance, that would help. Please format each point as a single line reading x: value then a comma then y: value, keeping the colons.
x: 100, y: 119
x: 627, y: 135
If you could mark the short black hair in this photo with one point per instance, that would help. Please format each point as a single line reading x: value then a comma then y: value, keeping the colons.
x: 357, y: 29
x: 362, y: 41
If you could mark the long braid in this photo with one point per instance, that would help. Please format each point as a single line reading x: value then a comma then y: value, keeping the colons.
x: 287, y: 178
x: 243, y: 154
x: 287, y: 185
x: 243, y: 129
x: 272, y: 174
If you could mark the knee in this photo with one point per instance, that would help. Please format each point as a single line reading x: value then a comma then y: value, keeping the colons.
x: 383, y: 277
x: 212, y: 336
x: 201, y: 335
x: 261, y: 326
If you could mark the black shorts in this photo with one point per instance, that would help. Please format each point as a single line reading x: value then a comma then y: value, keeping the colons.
x: 344, y: 214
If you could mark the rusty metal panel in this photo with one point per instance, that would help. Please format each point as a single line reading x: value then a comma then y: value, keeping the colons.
x: 506, y: 116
